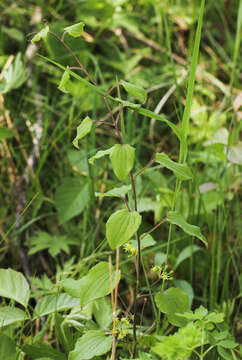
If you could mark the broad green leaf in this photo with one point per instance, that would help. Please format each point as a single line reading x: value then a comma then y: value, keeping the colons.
x: 41, y: 34
x: 40, y: 351
x: 6, y: 134
x: 171, y: 302
x: 100, y: 154
x: 82, y: 130
x: 119, y: 192
x: 73, y: 287
x: 10, y: 315
x: 75, y: 30
x: 181, y: 171
x: 78, y: 159
x: 14, y: 76
x: 122, y: 159
x: 234, y: 154
x: 175, y: 218
x: 121, y: 226
x: 186, y: 253
x: 64, y: 81
x: 52, y: 303
x: 13, y: 285
x: 71, y: 198
x: 221, y: 136
x: 187, y: 288
x: 7, y: 347
x: 92, y: 343
x: 135, y: 91
x: 97, y: 283
x: 103, y: 312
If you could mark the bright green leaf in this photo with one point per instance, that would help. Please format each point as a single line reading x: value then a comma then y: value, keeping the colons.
x: 228, y: 344
x: 75, y: 30
x: 126, y: 103
x: 97, y: 283
x: 121, y: 226
x: 100, y: 154
x: 7, y: 347
x: 64, y: 81
x: 103, y: 312
x: 122, y: 159
x: 73, y: 287
x: 171, y: 302
x: 181, y: 171
x: 52, y: 303
x: 224, y: 354
x: 41, y: 34
x: 13, y: 285
x: 135, y: 91
x: 175, y: 218
x: 93, y: 343
x: 82, y: 130
x: 10, y: 315
x: 71, y: 198
x: 186, y: 287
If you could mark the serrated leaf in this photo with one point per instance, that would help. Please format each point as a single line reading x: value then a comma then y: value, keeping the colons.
x: 228, y: 344
x: 174, y: 217
x: 10, y: 315
x: 54, y: 243
x: 14, y: 76
x: 13, y: 285
x: 181, y: 171
x: 121, y: 226
x: 122, y: 159
x: 119, y: 192
x: 100, y: 154
x: 7, y: 347
x: 64, y: 81
x: 135, y: 91
x: 93, y: 343
x: 71, y: 198
x: 186, y: 253
x: 82, y: 130
x: 41, y: 34
x: 97, y: 283
x: 52, y: 303
x: 171, y: 302
x: 75, y: 30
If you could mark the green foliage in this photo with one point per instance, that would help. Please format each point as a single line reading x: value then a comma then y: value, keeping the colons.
x: 41, y: 34
x: 122, y: 159
x: 10, y: 315
x: 7, y: 347
x: 13, y: 285
x: 75, y: 30
x: 14, y: 76
x: 82, y: 130
x: 171, y: 302
x: 93, y: 343
x: 121, y: 226
x: 181, y: 171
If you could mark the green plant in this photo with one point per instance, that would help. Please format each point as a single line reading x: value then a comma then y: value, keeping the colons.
x: 85, y: 297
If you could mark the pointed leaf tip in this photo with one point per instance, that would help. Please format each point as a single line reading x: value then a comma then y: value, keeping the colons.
x: 75, y: 30
x: 82, y: 130
x: 41, y: 34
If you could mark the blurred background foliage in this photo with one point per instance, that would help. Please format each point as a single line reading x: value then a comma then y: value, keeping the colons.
x: 47, y: 200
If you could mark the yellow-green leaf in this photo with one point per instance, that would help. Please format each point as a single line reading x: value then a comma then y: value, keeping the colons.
x: 121, y: 226
x: 41, y: 34
x: 122, y: 159
x: 136, y: 91
x: 64, y: 81
x: 82, y: 130
x: 75, y: 30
